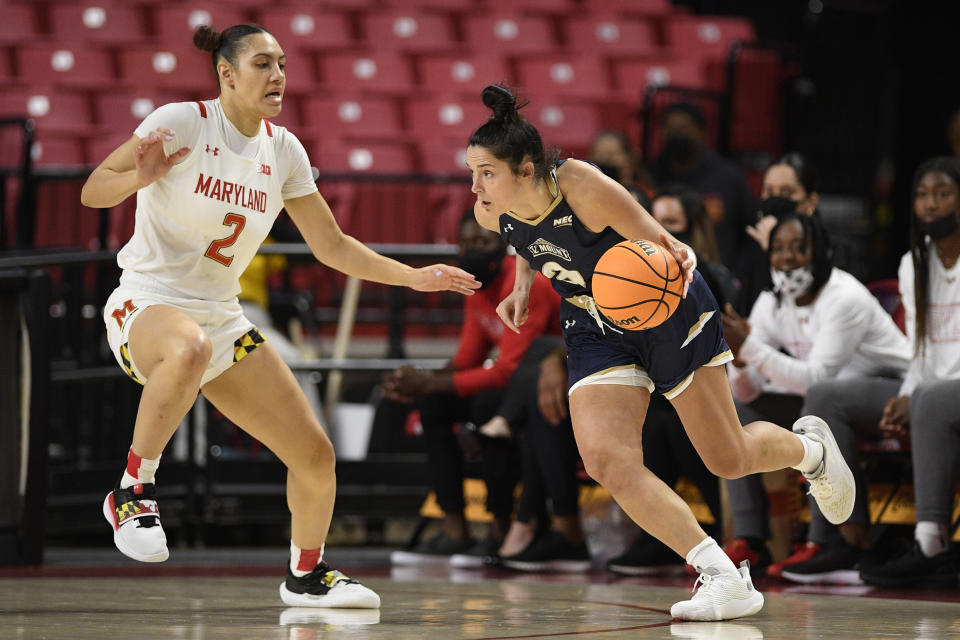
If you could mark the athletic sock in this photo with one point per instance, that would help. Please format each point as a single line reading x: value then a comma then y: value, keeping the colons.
x: 303, y: 561
x: 812, y: 455
x: 708, y: 554
x: 932, y: 537
x: 139, y: 470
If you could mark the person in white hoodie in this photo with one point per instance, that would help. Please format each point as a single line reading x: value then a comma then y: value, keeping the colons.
x: 928, y: 401
x: 818, y: 324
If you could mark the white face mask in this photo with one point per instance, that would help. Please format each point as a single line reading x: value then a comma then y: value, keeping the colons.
x: 794, y: 283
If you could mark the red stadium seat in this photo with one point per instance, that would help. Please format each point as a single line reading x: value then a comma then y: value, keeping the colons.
x: 100, y: 146
x: 57, y: 149
x: 569, y: 126
x: 157, y: 68
x: 65, y: 66
x: 406, y: 30
x: 175, y: 23
x: 307, y: 28
x: 446, y: 117
x: 362, y: 157
x: 352, y: 115
x: 656, y: 9
x: 96, y: 22
x: 632, y: 77
x: 443, y: 155
x: 300, y: 72
x: 462, y: 74
x: 119, y: 113
x: 706, y: 36
x: 531, y: 7
x: 509, y: 34
x: 612, y: 36
x: 372, y: 72
x: 458, y: 6
x: 567, y: 76
x: 52, y: 111
x: 19, y: 24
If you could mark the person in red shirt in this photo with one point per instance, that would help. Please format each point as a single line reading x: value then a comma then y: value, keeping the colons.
x: 469, y: 391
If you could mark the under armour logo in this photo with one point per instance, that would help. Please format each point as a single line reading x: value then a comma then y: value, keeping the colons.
x: 215, y: 150
x: 509, y: 227
x: 569, y: 323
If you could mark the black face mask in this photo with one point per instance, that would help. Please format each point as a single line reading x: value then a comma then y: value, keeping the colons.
x: 679, y: 149
x: 777, y: 206
x: 484, y: 265
x: 939, y: 228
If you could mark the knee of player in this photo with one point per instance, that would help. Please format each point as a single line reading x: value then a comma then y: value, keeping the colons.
x: 316, y: 456
x: 192, y: 350
x: 729, y: 463
x: 609, y: 468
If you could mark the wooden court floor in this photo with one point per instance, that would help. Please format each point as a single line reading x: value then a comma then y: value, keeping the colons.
x: 214, y: 600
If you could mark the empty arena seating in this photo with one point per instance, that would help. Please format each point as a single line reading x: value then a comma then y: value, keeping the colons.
x: 97, y: 23
x: 305, y: 28
x: 65, y: 65
x: 158, y: 68
x: 410, y: 31
x: 464, y: 74
x: 378, y: 72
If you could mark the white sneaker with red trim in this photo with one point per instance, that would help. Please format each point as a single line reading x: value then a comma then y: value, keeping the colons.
x: 135, y: 518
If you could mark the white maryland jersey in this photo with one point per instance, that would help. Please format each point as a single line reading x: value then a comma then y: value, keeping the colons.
x: 198, y: 227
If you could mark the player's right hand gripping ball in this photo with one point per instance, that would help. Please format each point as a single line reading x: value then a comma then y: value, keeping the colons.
x: 637, y: 284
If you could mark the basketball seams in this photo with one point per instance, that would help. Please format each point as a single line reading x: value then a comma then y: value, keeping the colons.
x: 639, y: 282
x: 643, y: 257
x: 619, y: 293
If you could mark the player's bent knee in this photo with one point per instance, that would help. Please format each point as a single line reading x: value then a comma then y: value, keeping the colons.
x: 727, y: 464
x: 608, y: 470
x: 316, y: 458
x: 191, y: 351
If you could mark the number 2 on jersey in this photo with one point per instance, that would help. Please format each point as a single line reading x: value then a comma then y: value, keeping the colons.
x: 235, y: 220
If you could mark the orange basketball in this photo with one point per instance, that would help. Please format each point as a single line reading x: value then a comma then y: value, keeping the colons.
x: 637, y: 284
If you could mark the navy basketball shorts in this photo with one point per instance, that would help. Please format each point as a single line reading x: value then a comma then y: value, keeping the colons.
x: 663, y: 358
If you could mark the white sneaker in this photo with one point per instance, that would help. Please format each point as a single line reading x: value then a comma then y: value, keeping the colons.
x: 832, y: 484
x: 326, y: 588
x: 720, y: 596
x: 135, y: 518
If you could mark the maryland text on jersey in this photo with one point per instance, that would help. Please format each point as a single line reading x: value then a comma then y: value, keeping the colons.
x: 232, y: 193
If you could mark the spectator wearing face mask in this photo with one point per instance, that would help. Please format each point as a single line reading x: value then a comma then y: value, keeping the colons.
x: 818, y: 323
x: 686, y: 159
x: 610, y: 151
x: 790, y: 185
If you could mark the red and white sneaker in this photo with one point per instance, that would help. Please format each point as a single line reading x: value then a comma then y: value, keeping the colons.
x: 801, y: 553
x: 135, y: 518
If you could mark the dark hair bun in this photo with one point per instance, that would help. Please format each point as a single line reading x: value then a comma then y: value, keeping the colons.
x: 206, y: 38
x: 501, y: 101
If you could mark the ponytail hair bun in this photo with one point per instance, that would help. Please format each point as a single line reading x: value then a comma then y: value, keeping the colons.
x: 206, y: 38
x: 501, y: 101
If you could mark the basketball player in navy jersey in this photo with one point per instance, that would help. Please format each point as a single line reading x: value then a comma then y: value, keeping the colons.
x: 561, y: 218
x: 210, y: 179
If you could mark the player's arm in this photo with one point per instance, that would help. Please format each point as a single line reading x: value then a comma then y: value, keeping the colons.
x: 601, y: 202
x: 515, y: 308
x: 130, y: 167
x: 332, y: 247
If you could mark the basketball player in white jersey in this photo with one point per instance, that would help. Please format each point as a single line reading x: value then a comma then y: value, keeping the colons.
x: 210, y: 179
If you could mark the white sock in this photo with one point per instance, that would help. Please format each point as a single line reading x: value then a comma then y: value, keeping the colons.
x: 139, y: 470
x: 303, y: 561
x: 932, y: 538
x: 708, y: 554
x: 812, y: 454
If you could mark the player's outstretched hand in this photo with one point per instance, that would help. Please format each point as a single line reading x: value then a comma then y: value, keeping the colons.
x: 152, y: 161
x: 514, y: 310
x: 443, y: 277
x: 685, y: 257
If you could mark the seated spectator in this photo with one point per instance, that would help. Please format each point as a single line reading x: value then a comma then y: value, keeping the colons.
x: 686, y: 159
x: 610, y: 151
x: 469, y: 391
x: 790, y: 185
x: 819, y: 323
x: 928, y: 402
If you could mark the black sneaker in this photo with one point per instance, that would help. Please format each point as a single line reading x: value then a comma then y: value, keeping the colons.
x: 913, y: 569
x: 433, y: 551
x: 551, y: 552
x: 485, y: 553
x: 327, y: 588
x: 647, y: 556
x: 832, y: 564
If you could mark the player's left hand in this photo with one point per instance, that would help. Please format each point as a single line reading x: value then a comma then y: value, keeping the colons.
x: 735, y: 329
x: 685, y: 257
x: 443, y: 277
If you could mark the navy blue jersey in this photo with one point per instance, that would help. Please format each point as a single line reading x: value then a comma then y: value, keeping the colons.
x: 559, y: 246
